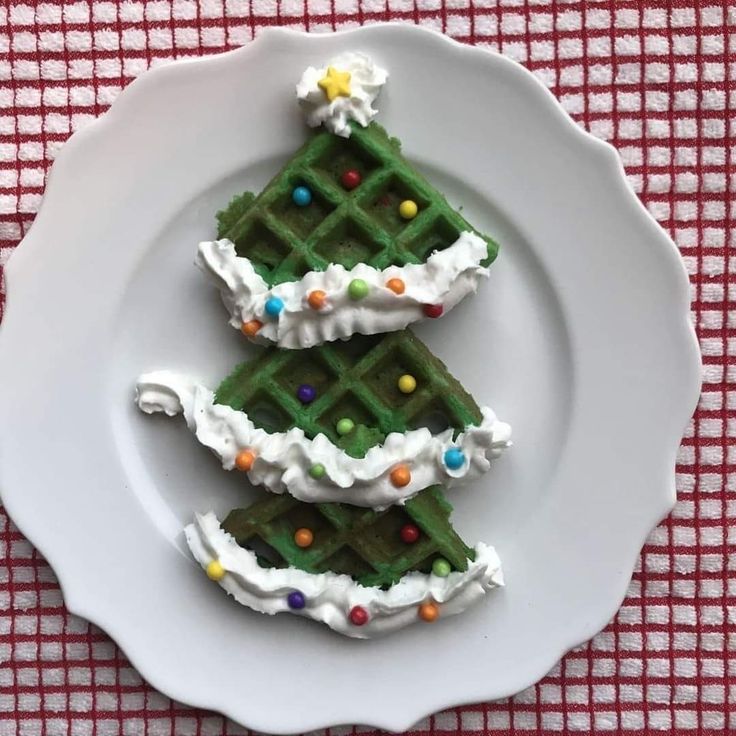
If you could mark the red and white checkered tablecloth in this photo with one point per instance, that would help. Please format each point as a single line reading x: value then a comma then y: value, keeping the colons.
x: 656, y: 79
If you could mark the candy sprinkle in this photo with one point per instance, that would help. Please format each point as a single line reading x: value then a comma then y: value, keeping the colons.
x: 317, y: 471
x: 396, y: 285
x: 345, y: 426
x: 433, y: 310
x: 244, y: 460
x: 215, y: 571
x: 407, y: 384
x: 251, y: 328
x: 296, y: 600
x: 317, y: 299
x: 454, y: 458
x: 441, y: 567
x: 335, y: 84
x: 401, y: 476
x: 408, y: 209
x: 358, y: 616
x: 429, y: 612
x: 274, y: 305
x: 302, y: 196
x: 303, y: 537
x: 409, y: 533
x: 306, y: 393
x: 358, y: 289
x: 351, y: 179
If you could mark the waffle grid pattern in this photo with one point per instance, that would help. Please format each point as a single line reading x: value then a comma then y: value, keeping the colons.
x: 358, y: 380
x: 348, y: 227
x: 654, y: 78
x: 351, y: 540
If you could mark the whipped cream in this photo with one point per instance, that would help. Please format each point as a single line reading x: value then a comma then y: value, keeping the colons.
x: 445, y: 278
x: 366, y: 80
x: 283, y: 459
x: 330, y: 597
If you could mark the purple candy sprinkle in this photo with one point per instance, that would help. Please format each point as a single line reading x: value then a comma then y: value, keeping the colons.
x: 296, y: 599
x: 306, y: 393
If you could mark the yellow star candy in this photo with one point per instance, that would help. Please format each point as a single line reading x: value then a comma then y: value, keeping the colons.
x: 335, y: 84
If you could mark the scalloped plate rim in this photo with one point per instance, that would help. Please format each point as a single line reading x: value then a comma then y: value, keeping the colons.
x: 82, y: 605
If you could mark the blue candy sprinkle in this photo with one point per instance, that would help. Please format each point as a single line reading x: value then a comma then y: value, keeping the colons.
x: 302, y: 196
x: 274, y: 305
x: 454, y: 458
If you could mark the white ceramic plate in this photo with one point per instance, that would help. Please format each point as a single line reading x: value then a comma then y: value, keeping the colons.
x: 581, y: 341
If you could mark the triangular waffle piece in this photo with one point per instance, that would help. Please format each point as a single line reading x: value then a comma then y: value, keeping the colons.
x: 366, y: 545
x: 370, y: 422
x: 359, y: 380
x: 362, y: 224
x: 347, y: 238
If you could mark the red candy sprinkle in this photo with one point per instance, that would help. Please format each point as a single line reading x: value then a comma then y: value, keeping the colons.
x: 350, y: 179
x: 358, y: 615
x: 409, y: 533
x: 433, y: 310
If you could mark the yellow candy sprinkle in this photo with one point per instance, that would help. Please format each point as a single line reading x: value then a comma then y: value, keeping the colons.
x: 407, y: 384
x: 408, y: 209
x: 215, y: 570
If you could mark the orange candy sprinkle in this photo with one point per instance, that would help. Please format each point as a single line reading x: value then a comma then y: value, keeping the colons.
x: 396, y: 285
x: 401, y: 476
x: 251, y: 328
x: 317, y: 299
x: 429, y: 612
x: 303, y: 537
x: 244, y: 460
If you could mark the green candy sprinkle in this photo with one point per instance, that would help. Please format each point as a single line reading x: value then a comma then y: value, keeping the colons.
x: 345, y: 426
x: 441, y: 567
x: 358, y: 289
x: 317, y: 471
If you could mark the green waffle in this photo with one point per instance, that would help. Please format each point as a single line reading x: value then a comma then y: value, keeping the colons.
x: 354, y: 541
x: 356, y: 379
x: 285, y: 241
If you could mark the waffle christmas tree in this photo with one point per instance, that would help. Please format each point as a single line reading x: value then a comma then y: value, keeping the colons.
x: 353, y: 428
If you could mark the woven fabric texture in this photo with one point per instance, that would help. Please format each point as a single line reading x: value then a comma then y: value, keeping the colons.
x: 656, y: 79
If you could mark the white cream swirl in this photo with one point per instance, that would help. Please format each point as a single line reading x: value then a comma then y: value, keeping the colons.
x: 283, y: 459
x: 329, y: 597
x: 366, y: 80
x: 445, y: 278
